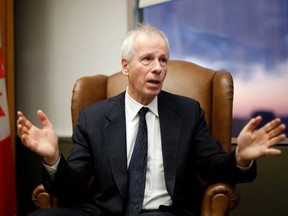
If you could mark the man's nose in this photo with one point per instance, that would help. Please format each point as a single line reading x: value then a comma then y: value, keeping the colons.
x: 157, y: 67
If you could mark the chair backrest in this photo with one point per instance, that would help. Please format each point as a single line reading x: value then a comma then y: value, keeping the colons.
x: 213, y: 89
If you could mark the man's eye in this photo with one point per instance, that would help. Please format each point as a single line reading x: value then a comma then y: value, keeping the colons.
x: 146, y: 60
x: 163, y: 61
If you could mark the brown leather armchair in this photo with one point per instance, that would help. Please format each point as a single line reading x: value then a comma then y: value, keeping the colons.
x: 214, y: 91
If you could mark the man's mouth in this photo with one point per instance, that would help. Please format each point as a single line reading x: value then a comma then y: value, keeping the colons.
x: 154, y: 82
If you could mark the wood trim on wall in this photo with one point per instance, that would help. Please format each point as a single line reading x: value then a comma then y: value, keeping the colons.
x: 7, y: 36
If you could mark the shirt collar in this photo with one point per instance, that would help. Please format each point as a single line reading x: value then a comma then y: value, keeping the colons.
x: 133, y: 107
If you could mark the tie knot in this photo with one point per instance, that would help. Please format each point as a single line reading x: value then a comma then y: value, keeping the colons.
x: 143, y: 111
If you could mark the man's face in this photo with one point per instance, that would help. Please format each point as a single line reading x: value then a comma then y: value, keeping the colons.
x: 147, y: 69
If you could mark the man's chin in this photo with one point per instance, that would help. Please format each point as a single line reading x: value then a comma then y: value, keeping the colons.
x: 153, y: 93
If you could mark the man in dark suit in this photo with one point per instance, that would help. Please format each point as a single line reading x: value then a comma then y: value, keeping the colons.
x: 180, y: 146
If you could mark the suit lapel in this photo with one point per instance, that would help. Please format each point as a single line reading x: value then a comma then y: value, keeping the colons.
x: 115, y: 136
x: 170, y: 124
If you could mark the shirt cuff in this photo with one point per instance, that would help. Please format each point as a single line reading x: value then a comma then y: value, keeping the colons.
x: 246, y: 168
x: 51, y: 170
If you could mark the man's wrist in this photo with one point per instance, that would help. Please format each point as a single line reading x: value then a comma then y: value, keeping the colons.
x: 239, y: 160
x: 53, y: 160
x: 245, y: 168
x: 52, y: 169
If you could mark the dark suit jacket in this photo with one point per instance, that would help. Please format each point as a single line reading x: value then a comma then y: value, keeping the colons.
x: 99, y: 150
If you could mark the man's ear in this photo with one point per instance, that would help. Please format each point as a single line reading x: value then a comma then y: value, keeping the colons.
x: 124, y: 63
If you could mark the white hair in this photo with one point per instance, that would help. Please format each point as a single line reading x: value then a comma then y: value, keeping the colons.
x: 128, y: 44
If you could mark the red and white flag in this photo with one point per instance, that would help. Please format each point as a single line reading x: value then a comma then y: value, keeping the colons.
x: 8, y: 203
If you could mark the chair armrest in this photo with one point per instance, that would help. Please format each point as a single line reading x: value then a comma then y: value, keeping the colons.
x: 42, y: 199
x: 219, y: 199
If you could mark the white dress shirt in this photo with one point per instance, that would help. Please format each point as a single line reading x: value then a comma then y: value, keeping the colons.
x: 156, y: 193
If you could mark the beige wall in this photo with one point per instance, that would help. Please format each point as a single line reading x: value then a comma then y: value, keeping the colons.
x: 57, y: 41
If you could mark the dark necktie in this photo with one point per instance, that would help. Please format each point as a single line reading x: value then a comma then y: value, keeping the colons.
x: 137, y: 168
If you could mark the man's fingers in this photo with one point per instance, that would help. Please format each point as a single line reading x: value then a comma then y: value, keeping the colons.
x: 271, y: 125
x: 253, y: 123
x: 43, y: 118
x: 19, y: 114
x: 25, y: 130
x: 276, y: 130
x: 26, y: 123
x: 273, y: 151
x: 277, y: 139
x: 23, y: 122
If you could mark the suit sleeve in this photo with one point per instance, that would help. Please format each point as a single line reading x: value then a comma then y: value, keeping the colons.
x: 71, y: 180
x: 213, y: 163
